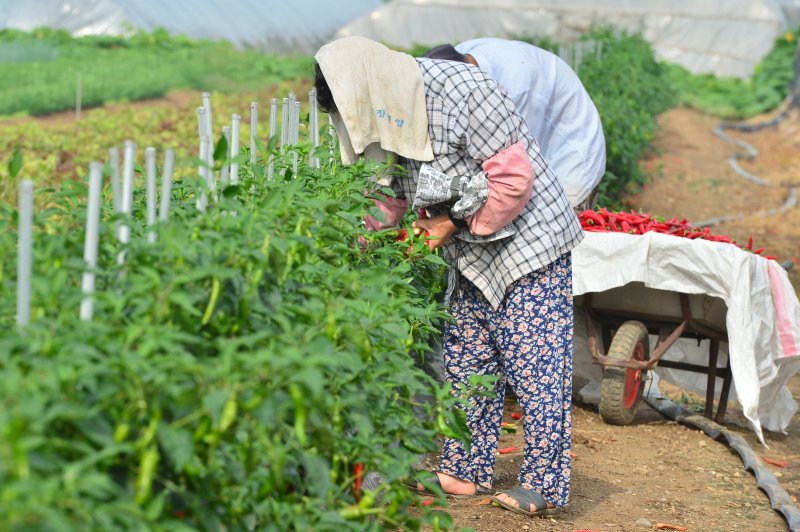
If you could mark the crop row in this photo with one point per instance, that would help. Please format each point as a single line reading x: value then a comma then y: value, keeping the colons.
x: 239, y: 368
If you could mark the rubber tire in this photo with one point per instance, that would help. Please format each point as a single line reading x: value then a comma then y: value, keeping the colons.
x: 612, y: 390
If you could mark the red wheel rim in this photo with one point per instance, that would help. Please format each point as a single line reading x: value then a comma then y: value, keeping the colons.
x: 632, y: 379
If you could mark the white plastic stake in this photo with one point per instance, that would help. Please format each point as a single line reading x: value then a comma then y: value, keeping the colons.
x: 296, y: 123
x: 253, y: 131
x: 152, y: 200
x: 224, y: 176
x: 202, y: 201
x: 285, y: 123
x: 332, y: 133
x: 166, y: 185
x: 116, y: 193
x: 124, y: 231
x: 295, y: 135
x: 207, y: 107
x: 313, y: 128
x: 273, y: 129
x: 25, y: 252
x: 92, y: 238
x: 235, y: 126
x: 201, y: 122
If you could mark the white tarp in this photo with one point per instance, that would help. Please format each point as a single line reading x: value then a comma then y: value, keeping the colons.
x: 268, y: 25
x: 762, y: 321
x: 724, y: 37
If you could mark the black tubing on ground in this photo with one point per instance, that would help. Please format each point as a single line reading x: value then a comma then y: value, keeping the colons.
x: 612, y: 390
x: 765, y: 480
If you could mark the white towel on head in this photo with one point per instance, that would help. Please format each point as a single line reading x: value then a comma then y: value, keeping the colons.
x: 379, y: 97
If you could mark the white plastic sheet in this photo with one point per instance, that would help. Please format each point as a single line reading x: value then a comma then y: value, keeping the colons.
x: 269, y: 25
x: 763, y: 318
x: 724, y: 37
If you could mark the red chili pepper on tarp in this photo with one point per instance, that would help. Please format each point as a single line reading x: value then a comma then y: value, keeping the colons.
x: 516, y: 415
x: 358, y: 469
x: 603, y: 220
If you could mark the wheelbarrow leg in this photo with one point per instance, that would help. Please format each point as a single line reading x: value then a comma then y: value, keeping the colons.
x: 607, y: 337
x: 723, y: 396
x: 713, y: 353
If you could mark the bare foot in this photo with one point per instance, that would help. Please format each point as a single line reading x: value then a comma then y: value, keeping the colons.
x: 453, y: 485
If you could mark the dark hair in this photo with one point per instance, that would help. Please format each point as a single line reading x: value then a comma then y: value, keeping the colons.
x: 446, y: 52
x: 324, y: 96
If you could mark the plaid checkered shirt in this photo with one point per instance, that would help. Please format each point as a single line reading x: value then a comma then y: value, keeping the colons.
x: 470, y: 119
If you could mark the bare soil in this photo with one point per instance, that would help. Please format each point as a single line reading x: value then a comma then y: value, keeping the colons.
x: 657, y: 472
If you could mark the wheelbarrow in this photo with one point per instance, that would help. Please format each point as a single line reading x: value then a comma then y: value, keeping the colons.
x: 627, y: 316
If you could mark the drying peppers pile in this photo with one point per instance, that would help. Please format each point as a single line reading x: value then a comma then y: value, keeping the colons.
x: 605, y: 221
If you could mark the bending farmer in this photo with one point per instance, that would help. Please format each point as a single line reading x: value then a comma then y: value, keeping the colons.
x: 506, y: 230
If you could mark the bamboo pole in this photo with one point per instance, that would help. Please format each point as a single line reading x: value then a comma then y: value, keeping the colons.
x: 25, y: 252
x: 91, y: 240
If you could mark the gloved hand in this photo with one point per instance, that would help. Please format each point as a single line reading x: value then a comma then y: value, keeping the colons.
x: 435, y: 187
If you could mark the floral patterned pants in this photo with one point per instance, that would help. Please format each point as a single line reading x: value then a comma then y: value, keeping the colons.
x: 528, y: 343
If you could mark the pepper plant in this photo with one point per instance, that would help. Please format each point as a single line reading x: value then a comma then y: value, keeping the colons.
x: 238, y: 374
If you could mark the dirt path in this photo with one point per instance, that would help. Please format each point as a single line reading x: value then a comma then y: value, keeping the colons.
x: 634, y: 478
x: 657, y: 471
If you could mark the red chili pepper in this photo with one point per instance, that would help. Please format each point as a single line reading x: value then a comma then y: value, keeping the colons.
x: 750, y: 243
x: 759, y: 251
x: 516, y: 415
x: 506, y: 450
x: 402, y: 234
x: 358, y: 469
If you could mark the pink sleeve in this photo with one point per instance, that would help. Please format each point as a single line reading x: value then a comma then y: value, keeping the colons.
x: 393, y: 210
x: 510, y: 176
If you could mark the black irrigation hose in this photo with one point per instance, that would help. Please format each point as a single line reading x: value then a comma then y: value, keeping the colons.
x: 791, y: 101
x: 750, y: 153
x: 778, y: 498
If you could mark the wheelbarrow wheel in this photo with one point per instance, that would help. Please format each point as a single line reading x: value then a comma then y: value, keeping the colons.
x: 621, y: 390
